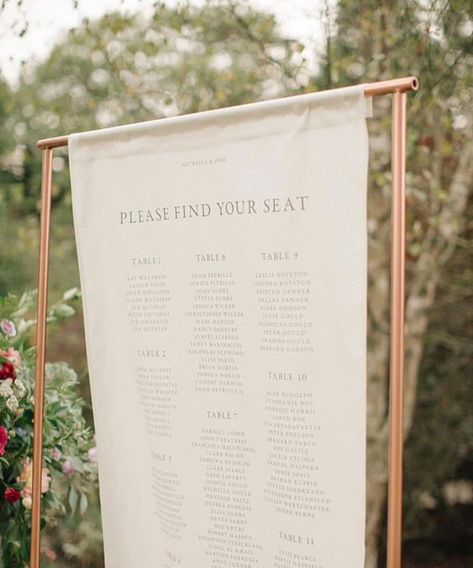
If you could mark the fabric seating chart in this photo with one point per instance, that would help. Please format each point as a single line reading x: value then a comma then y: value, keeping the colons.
x: 223, y: 268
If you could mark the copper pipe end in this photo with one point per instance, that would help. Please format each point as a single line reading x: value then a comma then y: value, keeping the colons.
x: 402, y: 85
x: 56, y: 142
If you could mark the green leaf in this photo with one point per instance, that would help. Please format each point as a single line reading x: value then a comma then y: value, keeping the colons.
x: 84, y: 503
x: 61, y: 311
x: 71, y: 294
x: 73, y: 499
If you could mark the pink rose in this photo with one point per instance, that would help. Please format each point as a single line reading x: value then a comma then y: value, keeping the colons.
x: 68, y: 469
x: 3, y: 440
x: 11, y: 355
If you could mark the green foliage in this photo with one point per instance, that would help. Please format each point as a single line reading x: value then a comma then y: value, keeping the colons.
x: 380, y: 40
x: 6, y: 108
x: 67, y: 467
x: 121, y: 69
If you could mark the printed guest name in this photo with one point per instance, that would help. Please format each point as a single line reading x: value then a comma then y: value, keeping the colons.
x: 161, y: 457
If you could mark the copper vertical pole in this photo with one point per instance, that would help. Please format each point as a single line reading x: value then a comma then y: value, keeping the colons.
x: 46, y: 182
x: 398, y: 216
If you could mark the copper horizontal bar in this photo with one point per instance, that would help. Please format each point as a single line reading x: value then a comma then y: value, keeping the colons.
x: 401, y: 85
x: 57, y: 142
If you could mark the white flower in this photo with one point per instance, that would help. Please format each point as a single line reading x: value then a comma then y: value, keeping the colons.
x: 12, y: 403
x: 20, y: 389
x: 5, y: 388
x: 27, y: 502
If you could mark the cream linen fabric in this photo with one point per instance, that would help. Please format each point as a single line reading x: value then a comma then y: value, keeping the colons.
x: 223, y: 267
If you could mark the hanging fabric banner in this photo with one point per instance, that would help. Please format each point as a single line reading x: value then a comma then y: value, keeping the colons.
x: 223, y: 267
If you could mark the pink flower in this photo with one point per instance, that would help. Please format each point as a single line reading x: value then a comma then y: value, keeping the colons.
x: 3, y: 440
x: 49, y: 553
x: 56, y: 454
x: 11, y: 495
x: 68, y: 468
x: 11, y: 355
x: 8, y: 328
x: 93, y: 455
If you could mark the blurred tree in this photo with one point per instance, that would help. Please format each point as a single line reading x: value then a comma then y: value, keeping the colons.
x: 440, y: 448
x: 126, y: 68
x: 129, y: 68
x: 372, y: 41
x: 12, y: 274
x: 6, y: 107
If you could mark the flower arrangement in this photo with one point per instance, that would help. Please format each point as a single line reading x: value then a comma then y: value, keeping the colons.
x: 69, y: 471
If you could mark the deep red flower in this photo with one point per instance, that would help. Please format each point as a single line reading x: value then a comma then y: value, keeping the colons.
x: 7, y: 371
x: 12, y: 495
x: 3, y: 439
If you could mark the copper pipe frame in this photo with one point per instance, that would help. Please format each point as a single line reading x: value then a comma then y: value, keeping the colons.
x: 396, y: 363
x: 397, y: 87
x: 42, y: 307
